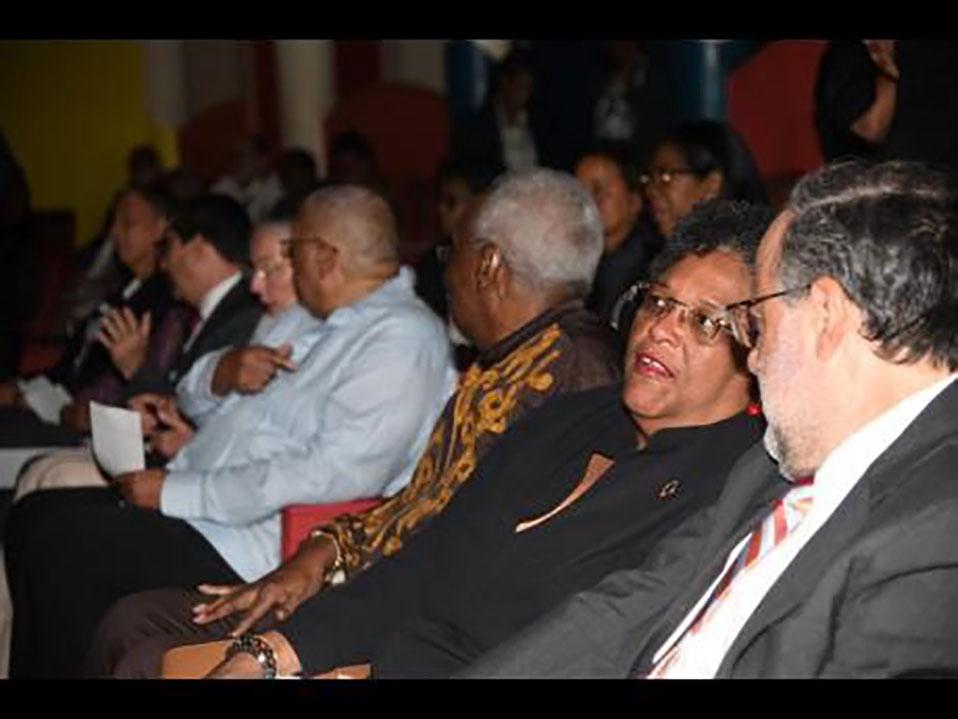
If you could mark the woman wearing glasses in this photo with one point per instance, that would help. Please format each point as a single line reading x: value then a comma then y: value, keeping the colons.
x: 698, y: 161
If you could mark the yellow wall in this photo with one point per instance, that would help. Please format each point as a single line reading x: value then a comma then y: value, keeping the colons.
x: 71, y: 111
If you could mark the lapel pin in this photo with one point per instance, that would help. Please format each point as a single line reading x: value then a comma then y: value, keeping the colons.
x: 668, y: 490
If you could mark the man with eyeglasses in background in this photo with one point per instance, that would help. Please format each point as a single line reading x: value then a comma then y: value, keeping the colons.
x: 586, y: 484
x: 349, y: 421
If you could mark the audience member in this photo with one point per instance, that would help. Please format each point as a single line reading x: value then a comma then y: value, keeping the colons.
x: 348, y: 422
x: 585, y: 485
x: 112, y: 346
x: 889, y: 99
x: 631, y: 105
x: 251, y: 181
x: 102, y: 273
x: 459, y: 184
x: 612, y: 177
x: 697, y: 161
x: 501, y: 134
x: 520, y: 263
x: 851, y: 332
x: 854, y: 100
x: 245, y: 369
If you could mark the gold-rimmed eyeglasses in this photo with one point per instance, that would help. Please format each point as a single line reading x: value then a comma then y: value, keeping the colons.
x: 705, y: 323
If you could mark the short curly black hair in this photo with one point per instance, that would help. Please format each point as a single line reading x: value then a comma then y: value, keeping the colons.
x: 888, y: 234
x: 735, y: 226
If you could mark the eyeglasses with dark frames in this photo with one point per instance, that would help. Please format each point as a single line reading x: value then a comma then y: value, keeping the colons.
x: 746, y: 325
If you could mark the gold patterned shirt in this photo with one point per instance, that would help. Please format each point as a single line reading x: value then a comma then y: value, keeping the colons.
x: 566, y: 349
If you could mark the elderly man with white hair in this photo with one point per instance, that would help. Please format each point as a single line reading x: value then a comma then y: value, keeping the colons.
x: 349, y: 421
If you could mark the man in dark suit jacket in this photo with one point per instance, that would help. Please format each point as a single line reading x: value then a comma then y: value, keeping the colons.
x: 853, y: 333
x: 204, y: 255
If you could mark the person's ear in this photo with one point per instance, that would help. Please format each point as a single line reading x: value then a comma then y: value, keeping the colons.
x: 836, y: 316
x: 490, y: 269
x: 327, y: 260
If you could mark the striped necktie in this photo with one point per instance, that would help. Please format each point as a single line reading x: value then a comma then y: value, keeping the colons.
x: 787, y: 513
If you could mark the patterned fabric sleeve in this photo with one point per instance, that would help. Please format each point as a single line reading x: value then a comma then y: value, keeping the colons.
x: 487, y: 402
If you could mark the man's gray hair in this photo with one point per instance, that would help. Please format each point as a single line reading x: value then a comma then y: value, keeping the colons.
x: 547, y: 227
x: 888, y: 233
x: 367, y: 221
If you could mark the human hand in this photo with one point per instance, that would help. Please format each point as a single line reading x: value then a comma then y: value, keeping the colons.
x: 250, y: 369
x: 174, y: 431
x: 125, y: 338
x: 142, y: 488
x: 147, y: 406
x: 281, y: 591
x: 882, y: 53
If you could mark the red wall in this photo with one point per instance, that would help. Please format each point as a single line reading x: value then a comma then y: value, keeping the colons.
x: 771, y: 103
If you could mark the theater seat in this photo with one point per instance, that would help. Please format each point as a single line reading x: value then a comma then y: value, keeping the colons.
x: 299, y: 519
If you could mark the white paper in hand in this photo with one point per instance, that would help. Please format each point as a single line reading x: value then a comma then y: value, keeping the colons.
x: 117, y: 439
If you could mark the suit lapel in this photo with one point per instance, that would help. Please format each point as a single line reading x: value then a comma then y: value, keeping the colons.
x: 798, y: 580
x: 752, y: 488
x: 234, y: 299
x: 847, y: 521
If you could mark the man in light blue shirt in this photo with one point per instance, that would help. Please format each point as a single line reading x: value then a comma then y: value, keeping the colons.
x: 349, y: 421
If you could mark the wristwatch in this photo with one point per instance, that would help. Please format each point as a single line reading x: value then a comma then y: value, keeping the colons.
x: 336, y: 574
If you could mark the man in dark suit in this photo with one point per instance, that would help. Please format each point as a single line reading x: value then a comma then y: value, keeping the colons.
x: 848, y: 566
x: 204, y: 255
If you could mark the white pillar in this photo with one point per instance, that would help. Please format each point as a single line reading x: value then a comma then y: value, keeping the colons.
x: 304, y: 70
x: 165, y: 86
x: 165, y: 71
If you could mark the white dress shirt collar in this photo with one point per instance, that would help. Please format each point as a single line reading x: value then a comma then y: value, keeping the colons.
x: 212, y: 298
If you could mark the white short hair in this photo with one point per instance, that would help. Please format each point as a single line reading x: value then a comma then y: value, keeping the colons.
x: 369, y: 226
x: 547, y: 226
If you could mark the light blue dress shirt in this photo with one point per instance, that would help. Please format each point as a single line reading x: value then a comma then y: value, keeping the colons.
x: 193, y: 394
x: 350, y: 422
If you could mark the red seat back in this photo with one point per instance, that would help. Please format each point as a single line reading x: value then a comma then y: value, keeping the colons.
x: 299, y: 519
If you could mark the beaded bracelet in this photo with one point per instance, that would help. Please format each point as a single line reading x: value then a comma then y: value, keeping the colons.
x: 259, y: 649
